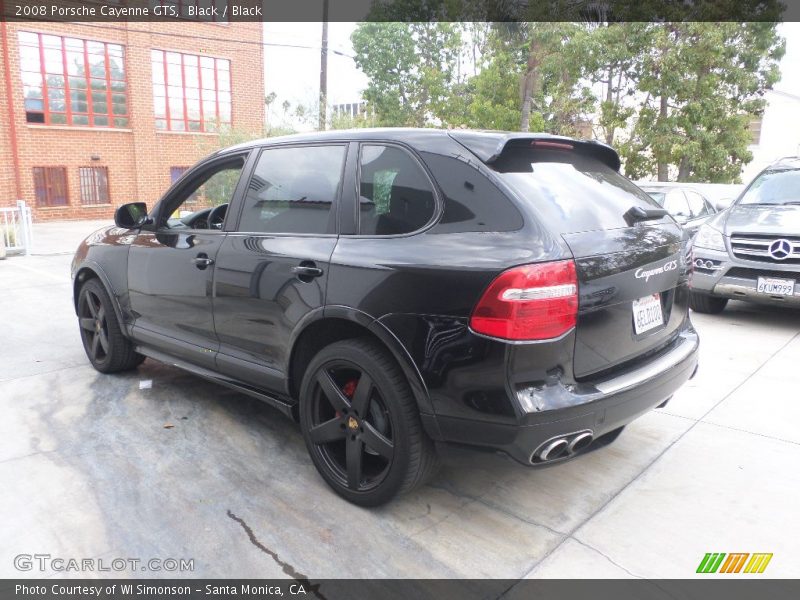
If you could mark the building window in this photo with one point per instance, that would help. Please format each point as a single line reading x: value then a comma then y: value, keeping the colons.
x: 196, y: 10
x: 70, y: 81
x: 755, y: 131
x: 50, y: 186
x: 190, y: 93
x: 94, y: 185
x: 176, y: 173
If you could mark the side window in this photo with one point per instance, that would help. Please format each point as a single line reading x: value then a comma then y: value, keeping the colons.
x: 208, y: 190
x: 395, y: 193
x: 675, y: 203
x: 292, y: 190
x: 696, y: 204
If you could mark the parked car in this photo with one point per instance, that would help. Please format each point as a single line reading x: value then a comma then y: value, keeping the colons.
x: 752, y: 250
x: 689, y: 207
x: 396, y: 289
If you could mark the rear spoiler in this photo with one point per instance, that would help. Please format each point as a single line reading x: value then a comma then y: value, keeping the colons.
x: 488, y: 146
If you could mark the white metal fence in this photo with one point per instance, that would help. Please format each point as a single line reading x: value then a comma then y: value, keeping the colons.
x: 15, y: 228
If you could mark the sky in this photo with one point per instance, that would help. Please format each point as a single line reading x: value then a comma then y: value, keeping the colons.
x: 790, y: 65
x: 293, y: 73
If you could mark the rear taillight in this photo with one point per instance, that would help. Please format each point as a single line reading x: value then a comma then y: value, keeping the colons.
x: 531, y: 302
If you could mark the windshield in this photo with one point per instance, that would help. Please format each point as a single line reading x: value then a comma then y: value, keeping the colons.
x: 657, y: 196
x: 774, y: 188
x: 572, y: 192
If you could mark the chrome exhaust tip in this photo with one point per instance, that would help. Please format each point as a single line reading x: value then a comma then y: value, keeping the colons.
x: 580, y: 441
x: 553, y: 449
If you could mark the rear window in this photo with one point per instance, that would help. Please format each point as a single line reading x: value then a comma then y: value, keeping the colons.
x: 571, y: 192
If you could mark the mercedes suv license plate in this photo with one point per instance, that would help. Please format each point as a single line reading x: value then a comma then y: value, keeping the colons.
x: 775, y: 287
x: 647, y: 313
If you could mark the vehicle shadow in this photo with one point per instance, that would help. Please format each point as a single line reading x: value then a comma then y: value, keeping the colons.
x: 178, y: 466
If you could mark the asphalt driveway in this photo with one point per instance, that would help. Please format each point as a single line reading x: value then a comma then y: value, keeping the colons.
x: 157, y: 463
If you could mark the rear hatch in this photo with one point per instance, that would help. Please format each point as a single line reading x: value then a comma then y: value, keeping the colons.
x: 628, y: 269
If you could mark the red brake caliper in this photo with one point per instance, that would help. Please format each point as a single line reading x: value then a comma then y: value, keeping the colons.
x: 348, y: 389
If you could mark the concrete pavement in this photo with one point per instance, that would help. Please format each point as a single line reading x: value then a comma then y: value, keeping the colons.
x: 157, y: 463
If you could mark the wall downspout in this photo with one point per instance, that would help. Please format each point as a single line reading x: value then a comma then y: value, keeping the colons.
x: 12, y: 116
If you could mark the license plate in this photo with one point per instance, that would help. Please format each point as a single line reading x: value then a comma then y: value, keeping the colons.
x: 647, y: 313
x: 775, y: 287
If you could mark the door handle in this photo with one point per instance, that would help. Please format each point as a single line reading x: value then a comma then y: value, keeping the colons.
x: 307, y: 271
x: 201, y: 261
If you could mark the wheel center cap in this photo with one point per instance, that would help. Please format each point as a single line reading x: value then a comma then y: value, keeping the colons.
x: 352, y: 423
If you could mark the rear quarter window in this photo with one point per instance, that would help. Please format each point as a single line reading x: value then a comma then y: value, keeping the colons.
x: 471, y: 201
x: 569, y: 191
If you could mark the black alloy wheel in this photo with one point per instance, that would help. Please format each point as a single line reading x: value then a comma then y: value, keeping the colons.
x: 350, y: 426
x: 94, y: 327
x: 361, y: 424
x: 107, y: 348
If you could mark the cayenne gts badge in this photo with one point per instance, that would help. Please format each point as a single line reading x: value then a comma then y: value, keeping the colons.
x: 780, y: 249
x: 646, y: 274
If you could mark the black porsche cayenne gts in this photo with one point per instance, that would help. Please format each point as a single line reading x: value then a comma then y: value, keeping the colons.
x: 397, y: 289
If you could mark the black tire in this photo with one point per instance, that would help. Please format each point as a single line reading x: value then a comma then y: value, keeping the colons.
x: 703, y: 303
x: 107, y: 348
x: 385, y: 444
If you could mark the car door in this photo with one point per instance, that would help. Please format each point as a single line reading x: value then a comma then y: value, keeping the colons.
x: 272, y: 267
x: 171, y: 262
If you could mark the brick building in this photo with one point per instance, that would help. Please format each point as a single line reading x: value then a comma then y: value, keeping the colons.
x: 94, y: 115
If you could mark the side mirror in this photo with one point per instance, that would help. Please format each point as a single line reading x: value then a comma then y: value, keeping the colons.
x: 131, y: 215
x: 721, y: 205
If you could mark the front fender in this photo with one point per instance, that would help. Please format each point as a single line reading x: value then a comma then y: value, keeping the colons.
x: 104, y: 254
x: 89, y: 269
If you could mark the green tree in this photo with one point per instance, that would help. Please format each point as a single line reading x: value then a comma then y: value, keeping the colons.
x: 411, y: 68
x: 493, y: 96
x: 614, y: 55
x: 675, y: 97
x: 532, y: 79
x: 702, y: 84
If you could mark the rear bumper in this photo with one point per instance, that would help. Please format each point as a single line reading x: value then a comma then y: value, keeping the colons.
x: 737, y: 279
x: 599, y: 407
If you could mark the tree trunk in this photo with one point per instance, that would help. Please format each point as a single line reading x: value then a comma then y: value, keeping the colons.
x: 684, y: 169
x: 610, y: 102
x: 663, y: 165
x: 531, y: 83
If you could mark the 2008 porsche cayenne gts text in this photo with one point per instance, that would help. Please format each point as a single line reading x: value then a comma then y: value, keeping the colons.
x: 396, y: 290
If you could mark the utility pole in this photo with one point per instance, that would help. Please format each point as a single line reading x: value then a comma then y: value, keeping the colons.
x: 323, y: 69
